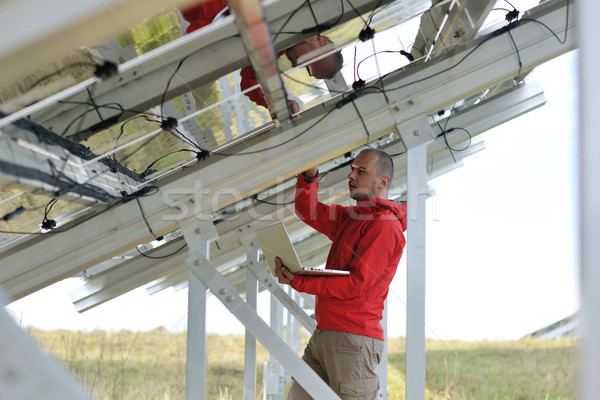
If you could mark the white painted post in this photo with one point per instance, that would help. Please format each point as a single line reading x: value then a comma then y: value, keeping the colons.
x: 248, y: 239
x: 273, y: 371
x: 415, y: 279
x: 382, y: 367
x: 196, y: 354
x: 589, y: 187
x: 250, y: 340
x: 198, y: 235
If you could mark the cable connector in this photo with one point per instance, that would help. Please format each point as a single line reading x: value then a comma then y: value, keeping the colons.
x: 366, y: 34
x: 169, y: 123
x: 48, y: 224
x: 319, y: 28
x: 446, y: 132
x: 506, y: 28
x: 407, y: 55
x: 106, y: 70
x: 358, y: 85
x: 202, y: 155
x: 512, y: 15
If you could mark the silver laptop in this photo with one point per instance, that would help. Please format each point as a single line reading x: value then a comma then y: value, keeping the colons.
x: 275, y: 242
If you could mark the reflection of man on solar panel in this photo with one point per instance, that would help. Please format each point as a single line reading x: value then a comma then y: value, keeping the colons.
x: 324, y: 68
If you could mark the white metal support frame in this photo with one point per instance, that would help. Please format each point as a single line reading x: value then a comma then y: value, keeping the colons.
x: 218, y: 285
x: 252, y: 248
x: 589, y: 187
x: 415, y: 271
x: 383, y: 364
x: 51, y: 258
x: 198, y: 235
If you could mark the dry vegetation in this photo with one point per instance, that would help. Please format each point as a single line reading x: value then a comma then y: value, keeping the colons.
x: 151, y: 365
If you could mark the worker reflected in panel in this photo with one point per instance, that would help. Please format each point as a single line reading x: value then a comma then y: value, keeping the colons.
x: 368, y: 241
x: 312, y: 48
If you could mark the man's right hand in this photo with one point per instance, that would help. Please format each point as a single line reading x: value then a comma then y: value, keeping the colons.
x: 284, y: 275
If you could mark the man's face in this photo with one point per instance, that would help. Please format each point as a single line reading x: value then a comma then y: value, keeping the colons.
x: 321, y: 69
x: 364, y: 180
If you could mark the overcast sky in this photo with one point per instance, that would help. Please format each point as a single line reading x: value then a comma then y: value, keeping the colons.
x: 501, y: 256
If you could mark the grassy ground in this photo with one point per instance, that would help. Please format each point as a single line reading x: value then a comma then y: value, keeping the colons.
x: 151, y: 365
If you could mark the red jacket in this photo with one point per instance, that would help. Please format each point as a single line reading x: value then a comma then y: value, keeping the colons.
x: 201, y: 15
x: 368, y: 240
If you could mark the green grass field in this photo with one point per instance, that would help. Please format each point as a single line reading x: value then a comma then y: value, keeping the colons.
x: 151, y: 365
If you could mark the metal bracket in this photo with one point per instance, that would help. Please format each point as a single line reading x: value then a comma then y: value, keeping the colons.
x: 415, y: 128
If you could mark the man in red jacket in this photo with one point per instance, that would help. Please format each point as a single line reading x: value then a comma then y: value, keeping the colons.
x: 325, y: 68
x: 368, y: 240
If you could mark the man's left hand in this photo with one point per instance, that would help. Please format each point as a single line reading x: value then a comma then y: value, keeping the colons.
x: 284, y: 275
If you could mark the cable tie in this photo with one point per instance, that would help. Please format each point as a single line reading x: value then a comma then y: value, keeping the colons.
x: 319, y: 28
x: 350, y: 98
x: 506, y: 28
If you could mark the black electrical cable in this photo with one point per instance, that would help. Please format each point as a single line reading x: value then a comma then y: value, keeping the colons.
x: 439, y: 72
x: 317, y: 25
x: 509, y: 3
x: 161, y: 257
x: 94, y: 104
x: 273, y: 203
x: 370, y: 19
x: 147, y: 191
x: 318, y: 28
x: 357, y: 13
x: 111, y: 106
x: 401, y: 52
x: 144, y: 217
x: 361, y: 119
x: 88, y: 111
x: 564, y: 40
x: 162, y: 99
x: 278, y: 145
x: 166, y: 155
x: 12, y: 214
x: 517, y: 79
x: 49, y: 224
x: 397, y: 154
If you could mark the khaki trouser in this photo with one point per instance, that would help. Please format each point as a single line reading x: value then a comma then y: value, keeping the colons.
x: 345, y: 361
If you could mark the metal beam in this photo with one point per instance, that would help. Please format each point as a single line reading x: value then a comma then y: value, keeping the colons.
x: 256, y: 37
x: 322, y: 138
x: 141, y: 81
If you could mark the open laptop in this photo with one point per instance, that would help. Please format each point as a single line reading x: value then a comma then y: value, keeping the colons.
x: 275, y: 242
